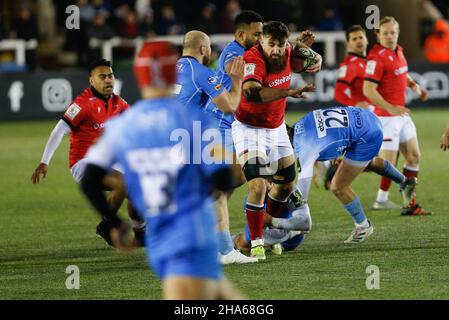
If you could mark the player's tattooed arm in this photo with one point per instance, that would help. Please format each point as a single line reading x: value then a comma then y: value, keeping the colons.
x: 255, y: 92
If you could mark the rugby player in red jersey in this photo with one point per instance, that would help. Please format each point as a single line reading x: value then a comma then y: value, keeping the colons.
x: 385, y: 85
x: 349, y: 86
x: 85, y: 119
x: 259, y: 132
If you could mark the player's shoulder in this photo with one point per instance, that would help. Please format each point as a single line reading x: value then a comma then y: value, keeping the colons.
x: 253, y: 54
x: 377, y: 52
x: 120, y: 101
x: 233, y: 48
x: 84, y: 99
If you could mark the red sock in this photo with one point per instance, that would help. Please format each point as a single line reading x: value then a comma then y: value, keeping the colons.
x: 410, y: 173
x: 385, y: 184
x: 274, y: 207
x: 255, y: 218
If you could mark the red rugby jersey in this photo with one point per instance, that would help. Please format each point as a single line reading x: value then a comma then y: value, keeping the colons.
x: 389, y: 69
x: 86, y: 116
x: 349, y: 86
x: 265, y: 115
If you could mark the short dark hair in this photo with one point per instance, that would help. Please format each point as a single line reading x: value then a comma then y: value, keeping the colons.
x: 354, y: 28
x: 246, y: 18
x: 99, y: 63
x: 276, y: 30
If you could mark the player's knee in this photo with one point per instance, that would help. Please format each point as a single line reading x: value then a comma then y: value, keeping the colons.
x: 285, y: 176
x: 336, y: 189
x: 256, y: 168
x: 413, y: 158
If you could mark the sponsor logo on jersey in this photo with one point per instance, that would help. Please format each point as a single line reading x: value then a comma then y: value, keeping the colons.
x: 212, y: 80
x: 401, y: 70
x: 72, y: 111
x: 250, y: 68
x: 319, y: 124
x: 280, y: 81
x: 371, y: 67
x: 99, y: 126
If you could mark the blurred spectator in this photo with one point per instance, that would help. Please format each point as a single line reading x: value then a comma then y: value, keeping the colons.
x: 130, y: 26
x: 169, y: 23
x: 87, y: 10
x: 227, y: 19
x: 103, y: 7
x: 206, y: 21
x: 146, y: 26
x: 99, y: 28
x: 436, y: 45
x: 141, y: 8
x: 331, y: 22
x: 25, y: 27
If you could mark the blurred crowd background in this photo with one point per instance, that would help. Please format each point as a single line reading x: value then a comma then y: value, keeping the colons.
x: 423, y: 24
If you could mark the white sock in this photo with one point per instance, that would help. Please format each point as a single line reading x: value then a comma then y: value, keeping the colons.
x: 382, y: 196
x: 364, y: 224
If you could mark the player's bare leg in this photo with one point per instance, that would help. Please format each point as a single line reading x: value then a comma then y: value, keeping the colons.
x: 114, y: 183
x: 341, y: 188
x: 189, y: 288
x: 254, y: 166
x: 412, y: 154
x: 227, y: 253
x: 382, y: 202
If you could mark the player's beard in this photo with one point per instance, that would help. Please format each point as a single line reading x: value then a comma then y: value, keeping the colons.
x: 248, y: 43
x: 275, y: 65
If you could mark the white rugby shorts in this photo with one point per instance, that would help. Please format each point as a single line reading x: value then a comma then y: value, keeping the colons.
x: 273, y: 143
x: 396, y: 130
x: 79, y: 167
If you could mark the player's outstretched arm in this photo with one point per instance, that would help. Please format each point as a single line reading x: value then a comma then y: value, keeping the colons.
x: 370, y: 91
x: 444, y: 141
x: 53, y: 142
x: 255, y: 92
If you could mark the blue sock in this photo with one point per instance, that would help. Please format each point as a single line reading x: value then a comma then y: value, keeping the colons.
x: 355, y: 210
x: 225, y: 244
x: 391, y: 172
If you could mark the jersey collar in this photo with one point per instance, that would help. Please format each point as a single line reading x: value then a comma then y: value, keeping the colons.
x: 98, y: 95
x: 356, y: 55
x: 191, y: 57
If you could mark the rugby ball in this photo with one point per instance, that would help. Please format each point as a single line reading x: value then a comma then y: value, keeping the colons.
x: 302, y: 58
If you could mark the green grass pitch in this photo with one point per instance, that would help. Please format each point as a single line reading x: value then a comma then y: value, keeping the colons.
x: 45, y: 228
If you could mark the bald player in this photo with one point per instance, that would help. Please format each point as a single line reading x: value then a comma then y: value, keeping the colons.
x: 199, y: 88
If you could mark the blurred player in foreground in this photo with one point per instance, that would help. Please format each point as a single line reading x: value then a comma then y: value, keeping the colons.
x: 328, y: 134
x: 385, y: 85
x: 165, y: 182
x: 85, y: 120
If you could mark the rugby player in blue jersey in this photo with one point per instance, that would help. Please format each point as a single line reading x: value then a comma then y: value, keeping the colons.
x: 327, y: 134
x: 218, y: 96
x: 168, y: 187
